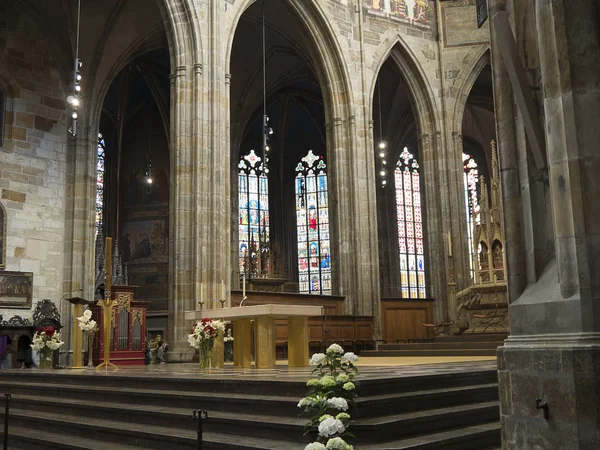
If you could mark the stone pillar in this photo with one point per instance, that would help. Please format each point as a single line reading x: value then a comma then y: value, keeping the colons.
x: 79, y: 231
x: 354, y: 217
x: 181, y: 224
x: 553, y: 352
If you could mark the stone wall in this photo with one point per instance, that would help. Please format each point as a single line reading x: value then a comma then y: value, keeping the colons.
x: 52, y: 228
x: 32, y: 156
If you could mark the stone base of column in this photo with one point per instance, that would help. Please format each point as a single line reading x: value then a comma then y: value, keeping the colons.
x: 564, y: 371
x: 180, y: 351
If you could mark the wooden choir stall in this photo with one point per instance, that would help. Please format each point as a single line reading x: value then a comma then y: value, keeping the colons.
x: 128, y: 331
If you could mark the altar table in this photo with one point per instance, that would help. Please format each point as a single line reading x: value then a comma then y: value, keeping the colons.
x: 264, y: 317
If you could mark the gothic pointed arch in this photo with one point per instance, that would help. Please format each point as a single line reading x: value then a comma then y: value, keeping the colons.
x: 404, y: 135
x: 326, y: 51
x: 482, y: 59
x: 421, y: 93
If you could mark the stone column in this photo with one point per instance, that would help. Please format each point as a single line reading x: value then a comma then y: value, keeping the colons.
x: 80, y: 232
x: 553, y: 352
x: 354, y: 217
x: 181, y: 224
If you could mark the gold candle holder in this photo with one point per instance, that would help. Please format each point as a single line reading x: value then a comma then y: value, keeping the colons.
x: 107, y: 305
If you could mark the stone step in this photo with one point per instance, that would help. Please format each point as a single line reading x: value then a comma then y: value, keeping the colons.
x: 264, y: 404
x: 267, y: 426
x: 424, y: 422
x: 375, y: 406
x: 479, y: 437
x: 226, y: 383
x: 438, y: 345
x: 432, y: 352
x: 34, y: 439
x: 399, y: 384
x: 52, y: 428
x: 371, y: 429
x: 480, y: 337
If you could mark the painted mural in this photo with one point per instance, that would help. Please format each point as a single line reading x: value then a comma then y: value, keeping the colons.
x: 417, y: 12
x: 145, y: 212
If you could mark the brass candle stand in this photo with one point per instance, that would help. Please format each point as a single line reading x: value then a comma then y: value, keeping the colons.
x: 78, y: 304
x: 107, y: 305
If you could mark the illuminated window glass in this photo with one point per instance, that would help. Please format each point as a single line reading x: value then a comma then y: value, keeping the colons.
x: 312, y: 222
x: 100, y: 168
x: 253, y: 216
x: 471, y: 180
x: 410, y: 226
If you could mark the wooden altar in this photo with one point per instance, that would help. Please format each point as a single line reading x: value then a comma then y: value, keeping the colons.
x: 128, y: 331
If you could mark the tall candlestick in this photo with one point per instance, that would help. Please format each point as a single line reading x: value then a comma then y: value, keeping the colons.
x: 201, y: 293
x: 108, y: 268
x: 244, y: 286
x: 222, y: 289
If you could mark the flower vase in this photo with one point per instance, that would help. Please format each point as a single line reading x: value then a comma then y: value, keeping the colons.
x: 206, y: 355
x: 90, y: 364
x: 46, y: 358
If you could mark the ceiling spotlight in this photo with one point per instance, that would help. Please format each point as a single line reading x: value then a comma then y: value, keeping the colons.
x: 382, y: 173
x: 267, y: 148
x: 74, y: 115
x: 78, y: 77
x: 382, y: 145
x: 383, y: 183
x: 270, y: 130
x: 149, y: 180
x: 382, y: 154
x: 77, y: 88
x: 384, y: 162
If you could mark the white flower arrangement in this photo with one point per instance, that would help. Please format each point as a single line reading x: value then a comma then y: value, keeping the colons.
x: 349, y: 358
x: 205, y: 331
x: 331, y: 426
x: 338, y: 443
x: 86, y: 324
x: 317, y: 358
x: 228, y: 337
x: 315, y: 446
x: 45, y: 341
x: 335, y: 348
x: 332, y: 444
x: 330, y: 398
x: 338, y: 403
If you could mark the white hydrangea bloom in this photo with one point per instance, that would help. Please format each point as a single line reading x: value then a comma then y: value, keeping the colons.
x: 337, y: 444
x: 87, y: 314
x: 306, y: 401
x: 317, y: 359
x: 338, y: 403
x: 315, y: 446
x: 349, y: 357
x: 327, y: 381
x: 335, y: 348
x: 331, y: 427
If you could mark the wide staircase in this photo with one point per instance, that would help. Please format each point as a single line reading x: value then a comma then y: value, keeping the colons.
x: 61, y: 410
x: 484, y: 344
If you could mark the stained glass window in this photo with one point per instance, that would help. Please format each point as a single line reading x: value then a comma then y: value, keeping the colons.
x: 471, y: 180
x: 253, y: 216
x: 100, y: 167
x: 410, y: 226
x: 312, y: 222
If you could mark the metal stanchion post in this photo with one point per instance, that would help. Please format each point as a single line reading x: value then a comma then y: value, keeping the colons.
x: 7, y: 398
x: 200, y: 415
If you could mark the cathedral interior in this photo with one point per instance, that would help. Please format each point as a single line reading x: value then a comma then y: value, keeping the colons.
x: 421, y: 169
